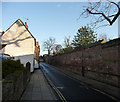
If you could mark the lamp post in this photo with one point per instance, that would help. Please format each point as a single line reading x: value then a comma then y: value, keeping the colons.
x: 82, y: 62
x: 82, y: 59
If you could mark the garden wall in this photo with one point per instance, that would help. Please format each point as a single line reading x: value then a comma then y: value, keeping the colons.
x: 101, y: 61
x: 13, y: 86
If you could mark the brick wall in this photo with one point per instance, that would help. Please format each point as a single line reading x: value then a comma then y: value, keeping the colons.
x: 101, y: 61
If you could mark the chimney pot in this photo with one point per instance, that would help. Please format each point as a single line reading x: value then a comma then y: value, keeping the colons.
x: 26, y: 25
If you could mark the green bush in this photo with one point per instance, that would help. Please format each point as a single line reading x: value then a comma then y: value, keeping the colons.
x: 10, y: 66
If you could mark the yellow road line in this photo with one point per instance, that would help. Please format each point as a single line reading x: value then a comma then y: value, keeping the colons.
x: 82, y: 83
x: 57, y: 91
x: 58, y: 94
x: 55, y: 88
x: 62, y: 97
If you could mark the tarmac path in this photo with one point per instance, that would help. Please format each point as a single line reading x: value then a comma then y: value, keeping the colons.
x: 71, y: 89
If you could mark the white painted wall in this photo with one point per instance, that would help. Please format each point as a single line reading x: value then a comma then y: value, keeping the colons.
x: 18, y: 40
x: 26, y: 58
x: 20, y: 43
x: 36, y: 64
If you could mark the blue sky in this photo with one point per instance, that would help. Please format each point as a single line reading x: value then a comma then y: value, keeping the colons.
x: 50, y: 19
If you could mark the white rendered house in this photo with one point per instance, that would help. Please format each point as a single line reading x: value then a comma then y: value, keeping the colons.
x: 0, y: 34
x: 20, y: 44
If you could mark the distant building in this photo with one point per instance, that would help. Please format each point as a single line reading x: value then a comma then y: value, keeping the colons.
x: 103, y: 41
x: 37, y: 52
x: 20, y: 43
x: 58, y: 47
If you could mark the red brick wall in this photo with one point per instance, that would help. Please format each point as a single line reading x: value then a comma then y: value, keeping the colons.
x: 101, y: 62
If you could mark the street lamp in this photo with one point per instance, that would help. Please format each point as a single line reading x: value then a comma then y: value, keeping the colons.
x: 82, y: 48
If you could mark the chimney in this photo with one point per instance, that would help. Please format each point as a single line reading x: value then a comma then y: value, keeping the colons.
x: 26, y: 25
x: 23, y: 22
x: 37, y: 44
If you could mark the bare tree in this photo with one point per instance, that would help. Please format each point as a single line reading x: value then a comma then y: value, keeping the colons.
x: 49, y: 45
x: 103, y: 37
x: 67, y: 42
x: 102, y: 13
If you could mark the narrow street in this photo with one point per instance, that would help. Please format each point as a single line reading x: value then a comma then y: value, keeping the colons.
x: 71, y: 89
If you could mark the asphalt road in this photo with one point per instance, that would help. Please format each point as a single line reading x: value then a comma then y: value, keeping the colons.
x: 72, y: 89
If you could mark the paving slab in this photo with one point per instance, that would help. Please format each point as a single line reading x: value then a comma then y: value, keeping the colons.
x: 38, y: 88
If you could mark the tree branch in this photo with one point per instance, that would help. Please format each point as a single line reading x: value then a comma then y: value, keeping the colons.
x: 107, y: 12
x: 116, y: 5
x: 101, y: 14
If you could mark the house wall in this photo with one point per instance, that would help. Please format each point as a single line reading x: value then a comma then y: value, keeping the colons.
x: 36, y: 64
x: 18, y: 40
x: 26, y: 58
x: 20, y: 43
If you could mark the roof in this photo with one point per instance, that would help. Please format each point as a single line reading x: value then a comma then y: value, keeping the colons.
x: 23, y: 25
x: 103, y: 41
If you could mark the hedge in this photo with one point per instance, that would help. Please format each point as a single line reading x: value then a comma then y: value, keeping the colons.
x: 11, y: 66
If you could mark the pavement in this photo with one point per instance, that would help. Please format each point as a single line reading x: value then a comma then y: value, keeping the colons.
x: 111, y: 91
x: 38, y: 88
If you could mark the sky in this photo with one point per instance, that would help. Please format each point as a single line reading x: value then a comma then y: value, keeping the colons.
x: 50, y: 19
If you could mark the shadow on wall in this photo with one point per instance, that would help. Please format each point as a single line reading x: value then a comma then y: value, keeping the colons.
x: 15, y: 40
x: 17, y: 35
x: 19, y: 44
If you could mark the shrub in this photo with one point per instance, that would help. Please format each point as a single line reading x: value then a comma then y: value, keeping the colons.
x: 10, y: 66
